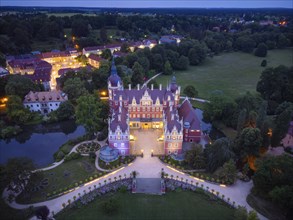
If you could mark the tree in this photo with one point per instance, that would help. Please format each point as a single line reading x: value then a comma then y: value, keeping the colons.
x: 276, y: 84
x: 20, y: 86
x: 261, y: 50
x: 245, y: 44
x: 100, y: 76
x: 157, y: 62
x: 74, y: 88
x: 190, y: 91
x: 281, y: 126
x: 252, y: 215
x: 103, y: 35
x: 195, y: 157
x: 263, y: 63
x: 145, y: 63
x: 167, y: 68
x: 250, y: 141
x: 229, y: 172
x: 240, y: 213
x: 196, y: 55
x: 182, y: 63
x: 125, y: 48
x: 80, y: 28
x: 65, y: 111
x: 273, y: 178
x: 88, y: 113
x: 218, y: 153
x: 283, y: 196
x: 18, y: 171
x: 42, y: 212
x: 16, y: 111
x: 106, y: 54
x: 283, y: 41
x: 138, y: 74
x: 219, y: 108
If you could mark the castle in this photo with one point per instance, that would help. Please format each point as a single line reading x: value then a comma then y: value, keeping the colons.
x: 149, y: 108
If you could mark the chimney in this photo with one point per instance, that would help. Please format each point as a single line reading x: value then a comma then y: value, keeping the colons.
x: 138, y: 86
x: 152, y: 86
x: 129, y: 86
x: 160, y: 86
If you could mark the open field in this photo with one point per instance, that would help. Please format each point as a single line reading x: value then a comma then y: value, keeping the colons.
x: 62, y: 176
x: 173, y: 205
x: 232, y: 73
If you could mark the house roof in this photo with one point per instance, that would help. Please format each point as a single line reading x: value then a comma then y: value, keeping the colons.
x: 95, y: 57
x: 51, y: 96
x: 187, y: 112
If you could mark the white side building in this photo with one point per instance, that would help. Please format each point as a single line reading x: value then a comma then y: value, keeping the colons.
x: 44, y: 102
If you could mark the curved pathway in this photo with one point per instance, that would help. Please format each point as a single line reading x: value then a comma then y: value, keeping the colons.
x: 195, y: 99
x: 237, y: 192
x: 55, y: 164
x: 146, y: 83
x: 97, y: 163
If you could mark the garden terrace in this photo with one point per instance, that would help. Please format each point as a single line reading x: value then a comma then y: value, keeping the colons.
x: 188, y: 205
x: 62, y: 178
x: 86, y: 148
x: 117, y: 163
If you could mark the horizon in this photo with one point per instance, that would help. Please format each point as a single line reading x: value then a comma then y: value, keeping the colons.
x: 149, y: 4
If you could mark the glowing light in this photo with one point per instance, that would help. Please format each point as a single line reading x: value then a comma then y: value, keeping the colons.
x: 65, y: 35
x: 222, y: 185
x: 103, y: 93
x: 171, y: 168
x: 130, y: 164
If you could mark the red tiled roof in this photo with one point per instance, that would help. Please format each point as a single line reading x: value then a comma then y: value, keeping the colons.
x: 52, y: 96
x: 95, y: 57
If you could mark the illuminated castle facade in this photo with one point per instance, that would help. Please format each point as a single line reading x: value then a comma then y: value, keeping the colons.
x: 149, y: 108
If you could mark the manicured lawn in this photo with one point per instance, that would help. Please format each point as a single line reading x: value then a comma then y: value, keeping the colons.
x: 174, y: 205
x: 62, y: 176
x: 232, y: 73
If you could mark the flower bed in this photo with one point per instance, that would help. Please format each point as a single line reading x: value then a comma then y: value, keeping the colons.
x: 96, y: 191
x: 117, y: 163
x: 86, y: 148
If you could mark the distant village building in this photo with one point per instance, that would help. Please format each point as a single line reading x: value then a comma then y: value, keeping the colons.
x: 99, y: 49
x: 149, y: 108
x: 142, y: 44
x: 44, y: 102
x: 170, y: 39
x: 56, y: 56
x: 3, y: 72
x: 95, y: 60
x: 37, y: 70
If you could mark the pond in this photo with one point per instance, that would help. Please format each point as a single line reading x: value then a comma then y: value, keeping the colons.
x: 39, y: 142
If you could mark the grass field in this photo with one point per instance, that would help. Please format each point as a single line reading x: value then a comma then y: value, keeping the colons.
x: 232, y: 73
x: 173, y: 205
x: 68, y: 173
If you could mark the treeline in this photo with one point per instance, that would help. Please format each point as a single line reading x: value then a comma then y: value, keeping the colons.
x: 20, y: 30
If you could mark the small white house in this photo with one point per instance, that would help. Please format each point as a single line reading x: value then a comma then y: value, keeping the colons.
x: 44, y: 102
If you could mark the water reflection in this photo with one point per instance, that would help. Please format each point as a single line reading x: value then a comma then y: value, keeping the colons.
x: 39, y: 142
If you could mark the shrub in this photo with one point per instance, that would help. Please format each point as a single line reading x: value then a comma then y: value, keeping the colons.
x: 123, y: 189
x: 91, y: 178
x: 86, y: 180
x: 263, y: 63
x: 80, y: 182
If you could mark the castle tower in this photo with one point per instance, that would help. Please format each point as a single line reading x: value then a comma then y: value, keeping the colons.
x: 175, y: 89
x: 114, y: 81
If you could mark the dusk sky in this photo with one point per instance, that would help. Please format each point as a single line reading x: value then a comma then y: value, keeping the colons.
x: 153, y: 3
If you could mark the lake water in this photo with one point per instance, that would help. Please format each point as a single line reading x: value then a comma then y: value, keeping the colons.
x: 39, y: 142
